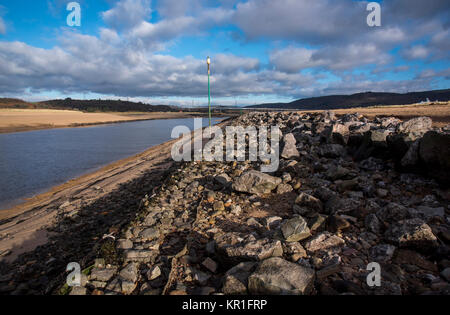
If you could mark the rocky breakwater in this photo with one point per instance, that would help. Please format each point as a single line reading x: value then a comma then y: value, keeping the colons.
x: 339, y: 200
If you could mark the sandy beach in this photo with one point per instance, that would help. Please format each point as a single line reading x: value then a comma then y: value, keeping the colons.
x: 18, y: 120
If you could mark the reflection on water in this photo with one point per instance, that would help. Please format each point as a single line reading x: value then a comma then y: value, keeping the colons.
x: 32, y: 162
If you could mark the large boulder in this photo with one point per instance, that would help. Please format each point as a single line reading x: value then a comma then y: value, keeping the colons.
x: 412, y: 233
x: 417, y: 125
x: 255, y: 182
x: 278, y: 276
x: 434, y: 153
x: 236, y: 279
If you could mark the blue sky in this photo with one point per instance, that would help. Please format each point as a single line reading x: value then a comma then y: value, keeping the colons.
x: 262, y: 50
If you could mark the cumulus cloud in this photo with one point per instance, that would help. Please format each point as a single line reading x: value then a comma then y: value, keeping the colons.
x: 128, y: 58
x: 126, y: 14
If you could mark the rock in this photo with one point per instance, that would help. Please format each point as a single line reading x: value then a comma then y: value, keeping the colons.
x: 295, y: 229
x: 78, y: 291
x: 124, y: 244
x: 284, y: 188
x: 393, y: 212
x: 373, y: 224
x: 323, y: 241
x: 246, y: 249
x: 223, y: 179
x: 434, y: 152
x: 328, y: 271
x: 308, y: 201
x: 255, y: 182
x: 210, y: 264
x: 278, y: 276
x: 416, y: 125
x: 236, y: 279
x: 289, y: 150
x: 446, y: 274
x: 411, y: 158
x: 295, y: 250
x: 103, y: 274
x: 130, y: 272
x: 219, y: 206
x: 149, y: 234
x: 382, y: 253
x: 139, y: 255
x: 336, y: 223
x: 412, y: 233
x: 272, y: 223
x: 337, y: 172
x: 154, y: 273
x: 331, y: 150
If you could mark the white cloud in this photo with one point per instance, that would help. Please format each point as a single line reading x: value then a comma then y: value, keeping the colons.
x: 127, y: 14
x: 416, y: 52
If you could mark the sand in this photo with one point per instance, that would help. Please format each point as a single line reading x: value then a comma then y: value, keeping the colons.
x: 439, y: 113
x: 16, y: 120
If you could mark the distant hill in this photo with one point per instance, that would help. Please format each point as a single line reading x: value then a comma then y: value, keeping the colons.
x: 87, y: 105
x: 360, y: 100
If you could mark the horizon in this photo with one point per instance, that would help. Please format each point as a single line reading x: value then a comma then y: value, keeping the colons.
x: 262, y: 52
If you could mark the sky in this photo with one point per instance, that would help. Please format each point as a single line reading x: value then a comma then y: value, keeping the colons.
x: 262, y: 51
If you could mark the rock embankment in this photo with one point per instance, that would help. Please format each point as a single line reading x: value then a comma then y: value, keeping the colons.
x: 349, y: 191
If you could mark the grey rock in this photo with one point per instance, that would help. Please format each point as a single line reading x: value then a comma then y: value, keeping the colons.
x: 295, y: 229
x: 278, y: 276
x: 290, y: 149
x: 331, y: 150
x: 308, y: 201
x: 324, y: 241
x: 130, y: 272
x: 236, y: 279
x: 255, y: 182
x: 149, y: 234
x: 434, y: 152
x: 416, y: 125
x: 382, y: 253
x: 412, y: 233
x: 103, y: 274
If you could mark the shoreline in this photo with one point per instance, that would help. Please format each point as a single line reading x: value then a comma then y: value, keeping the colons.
x: 25, y: 226
x: 127, y: 117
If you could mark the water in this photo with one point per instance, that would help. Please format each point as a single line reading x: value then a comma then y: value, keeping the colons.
x: 33, y: 162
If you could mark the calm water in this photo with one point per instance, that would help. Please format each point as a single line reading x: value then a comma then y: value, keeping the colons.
x: 32, y: 162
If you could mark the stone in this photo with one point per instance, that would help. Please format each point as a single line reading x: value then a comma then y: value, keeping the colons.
x: 219, y: 206
x: 255, y: 182
x: 272, y: 223
x: 290, y: 149
x: 328, y: 271
x: 410, y: 257
x: 210, y: 264
x: 149, y: 234
x: 124, y: 244
x: 411, y: 158
x: 372, y: 223
x: 139, y: 255
x: 284, y: 188
x: 276, y: 276
x: 78, y: 291
x: 382, y: 252
x: 130, y: 272
x: 295, y: 250
x: 416, y: 125
x: 295, y: 229
x: 223, y: 179
x: 154, y: 273
x: 246, y: 249
x: 336, y: 223
x: 128, y: 287
x: 102, y: 274
x: 324, y: 241
x: 446, y: 274
x: 434, y: 153
x: 236, y: 279
x: 331, y: 150
x: 412, y: 233
x: 308, y: 201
